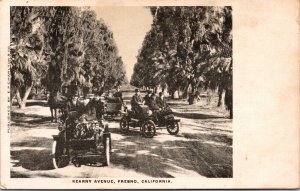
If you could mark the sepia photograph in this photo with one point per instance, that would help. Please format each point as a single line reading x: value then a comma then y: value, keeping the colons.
x: 139, y: 94
x: 121, y: 91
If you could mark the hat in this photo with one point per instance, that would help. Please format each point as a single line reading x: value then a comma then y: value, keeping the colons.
x: 137, y: 90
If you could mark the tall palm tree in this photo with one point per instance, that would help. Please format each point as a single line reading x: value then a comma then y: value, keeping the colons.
x: 26, y: 58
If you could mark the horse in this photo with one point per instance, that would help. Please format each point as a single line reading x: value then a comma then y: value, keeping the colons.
x: 56, y: 102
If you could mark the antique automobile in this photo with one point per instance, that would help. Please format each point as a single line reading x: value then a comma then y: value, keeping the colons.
x: 113, y: 106
x: 148, y: 121
x: 82, y: 139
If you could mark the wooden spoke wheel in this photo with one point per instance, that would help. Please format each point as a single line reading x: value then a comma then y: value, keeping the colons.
x: 60, y: 158
x: 124, y: 125
x: 148, y: 129
x: 107, y: 151
x: 173, y: 127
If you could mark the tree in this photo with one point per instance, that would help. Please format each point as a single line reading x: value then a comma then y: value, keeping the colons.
x: 64, y: 40
x: 103, y: 66
x: 64, y: 48
x: 26, y: 58
x: 187, y: 48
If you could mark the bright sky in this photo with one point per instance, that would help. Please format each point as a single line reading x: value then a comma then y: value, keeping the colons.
x: 129, y: 26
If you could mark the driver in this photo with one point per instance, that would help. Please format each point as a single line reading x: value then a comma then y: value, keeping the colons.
x: 136, y: 101
x: 71, y: 104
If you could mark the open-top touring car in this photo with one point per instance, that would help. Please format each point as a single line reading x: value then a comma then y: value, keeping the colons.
x: 148, y: 121
x: 82, y: 138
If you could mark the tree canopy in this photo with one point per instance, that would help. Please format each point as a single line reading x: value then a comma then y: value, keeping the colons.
x: 186, y: 48
x: 61, y: 47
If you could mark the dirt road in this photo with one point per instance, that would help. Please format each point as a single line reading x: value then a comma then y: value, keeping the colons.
x: 203, y: 146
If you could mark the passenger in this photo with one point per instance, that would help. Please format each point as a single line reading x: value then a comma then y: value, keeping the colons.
x: 71, y: 104
x: 82, y: 103
x: 136, y: 101
x: 91, y: 108
x: 147, y: 97
x: 154, y: 107
x: 100, y: 106
x: 153, y: 103
x: 118, y: 93
x: 161, y: 102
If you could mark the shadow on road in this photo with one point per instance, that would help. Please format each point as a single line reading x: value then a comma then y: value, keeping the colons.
x: 32, y: 159
x: 196, y: 115
x: 33, y: 153
x: 30, y: 120
x: 37, y: 102
x: 200, y: 153
x: 217, y: 138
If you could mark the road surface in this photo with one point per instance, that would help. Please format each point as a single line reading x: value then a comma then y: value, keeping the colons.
x: 202, y: 148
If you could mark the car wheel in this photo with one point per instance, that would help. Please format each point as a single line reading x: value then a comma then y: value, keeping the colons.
x: 148, y: 129
x: 107, y: 151
x: 59, y: 157
x: 124, y: 125
x: 173, y: 127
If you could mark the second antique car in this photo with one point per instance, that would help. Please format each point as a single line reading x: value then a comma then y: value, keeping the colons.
x: 148, y: 121
x: 113, y: 106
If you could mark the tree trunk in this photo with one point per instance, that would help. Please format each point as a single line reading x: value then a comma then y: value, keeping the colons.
x: 171, y: 93
x: 185, y: 92
x: 193, y: 88
x: 179, y: 93
x: 220, y: 92
x: 79, y: 91
x: 12, y: 94
x: 22, y: 100
x: 18, y: 96
x: 228, y: 101
x: 27, y: 92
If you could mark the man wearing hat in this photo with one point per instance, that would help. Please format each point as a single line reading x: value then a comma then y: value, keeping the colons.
x: 99, y: 104
x: 118, y: 93
x: 147, y: 97
x: 154, y: 107
x: 70, y: 106
x: 160, y: 100
x: 136, y: 101
x: 153, y: 103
